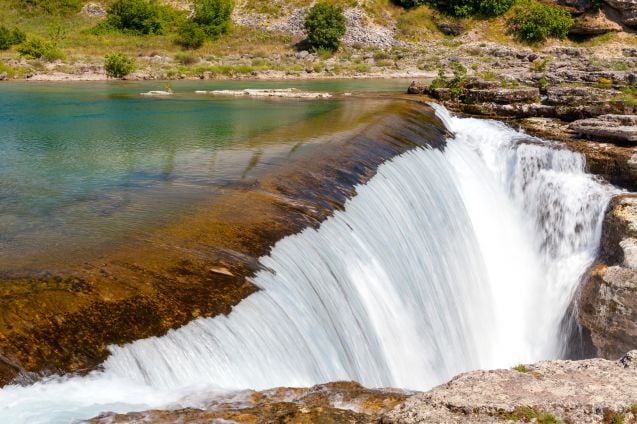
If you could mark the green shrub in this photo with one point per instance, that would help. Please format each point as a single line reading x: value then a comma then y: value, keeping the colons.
x: 54, y: 7
x: 456, y: 83
x: 410, y: 3
x: 487, y: 8
x: 186, y: 58
x: 213, y: 16
x: 10, y: 38
x: 191, y: 36
x: 139, y: 17
x: 118, y: 65
x: 325, y: 26
x: 37, y: 48
x: 534, y: 22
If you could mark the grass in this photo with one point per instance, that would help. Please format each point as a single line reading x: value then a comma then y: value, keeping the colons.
x: 521, y: 368
x: 527, y: 414
x: 417, y: 25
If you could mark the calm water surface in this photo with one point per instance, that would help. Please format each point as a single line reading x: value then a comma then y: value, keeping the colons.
x: 85, y: 164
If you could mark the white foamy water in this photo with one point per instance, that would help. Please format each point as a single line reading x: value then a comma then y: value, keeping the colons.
x: 444, y: 262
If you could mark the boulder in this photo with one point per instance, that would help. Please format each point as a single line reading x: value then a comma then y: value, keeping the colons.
x: 3, y: 76
x: 503, y: 95
x: 416, y: 88
x: 594, y: 24
x: 607, y: 304
x: 627, y: 10
x: 94, y: 10
x: 590, y: 391
x: 620, y: 129
x: 577, y: 96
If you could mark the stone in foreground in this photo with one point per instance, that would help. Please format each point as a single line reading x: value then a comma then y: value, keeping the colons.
x: 621, y: 129
x: 590, y: 391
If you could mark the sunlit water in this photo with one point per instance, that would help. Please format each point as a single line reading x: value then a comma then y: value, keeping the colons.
x: 446, y: 261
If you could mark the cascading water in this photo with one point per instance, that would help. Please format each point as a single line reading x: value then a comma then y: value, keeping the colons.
x: 445, y: 261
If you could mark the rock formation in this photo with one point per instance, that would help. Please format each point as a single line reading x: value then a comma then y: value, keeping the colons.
x: 590, y: 391
x: 608, y: 299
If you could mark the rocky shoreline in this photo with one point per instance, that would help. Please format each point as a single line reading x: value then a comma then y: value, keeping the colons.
x: 549, y: 392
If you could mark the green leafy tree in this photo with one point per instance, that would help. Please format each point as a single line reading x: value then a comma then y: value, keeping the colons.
x: 325, y: 26
x: 534, y: 22
x: 10, y: 37
x: 410, y: 3
x: 213, y: 16
x: 139, y: 16
x: 191, y: 35
x: 486, y: 8
x: 118, y: 65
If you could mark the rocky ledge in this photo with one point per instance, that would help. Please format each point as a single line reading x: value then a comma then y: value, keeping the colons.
x: 589, y: 391
x: 607, y: 305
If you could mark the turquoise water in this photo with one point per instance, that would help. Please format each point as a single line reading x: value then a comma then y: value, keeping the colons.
x: 93, y: 162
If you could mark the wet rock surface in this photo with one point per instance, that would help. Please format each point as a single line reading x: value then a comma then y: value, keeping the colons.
x: 340, y: 402
x: 608, y: 299
x: 589, y: 391
x: 63, y: 317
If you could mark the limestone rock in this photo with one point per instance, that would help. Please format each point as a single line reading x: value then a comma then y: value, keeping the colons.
x: 621, y: 129
x: 94, y: 10
x: 3, y: 76
x: 608, y: 298
x: 627, y: 10
x: 594, y: 24
x: 416, y: 88
x: 340, y: 402
x: 590, y: 391
x: 503, y: 95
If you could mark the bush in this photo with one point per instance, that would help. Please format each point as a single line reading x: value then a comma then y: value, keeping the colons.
x: 410, y: 3
x: 54, y: 7
x: 533, y: 22
x: 325, y: 26
x: 487, y: 8
x: 10, y: 38
x: 191, y: 36
x: 213, y: 16
x: 456, y: 83
x: 118, y: 65
x: 140, y: 16
x: 36, y: 48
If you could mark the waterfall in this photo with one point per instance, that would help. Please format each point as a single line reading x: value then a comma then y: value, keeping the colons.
x: 445, y: 261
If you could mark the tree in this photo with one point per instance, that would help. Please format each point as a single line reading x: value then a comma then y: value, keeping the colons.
x: 213, y: 16
x: 325, y: 26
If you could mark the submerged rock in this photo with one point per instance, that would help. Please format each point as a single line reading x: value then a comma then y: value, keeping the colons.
x: 591, y: 391
x: 608, y: 298
x: 340, y: 402
x: 283, y: 92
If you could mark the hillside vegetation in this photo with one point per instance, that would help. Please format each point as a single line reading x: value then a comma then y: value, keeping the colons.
x: 168, y: 41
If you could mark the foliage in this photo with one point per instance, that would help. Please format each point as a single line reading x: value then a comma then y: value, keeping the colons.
x: 213, y: 16
x: 486, y: 8
x: 191, y: 36
x: 37, y: 48
x: 456, y: 83
x: 118, y: 65
x: 186, y: 58
x: 521, y: 368
x: 533, y: 22
x: 54, y: 7
x: 139, y: 17
x: 325, y: 26
x: 10, y: 37
x: 411, y: 3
